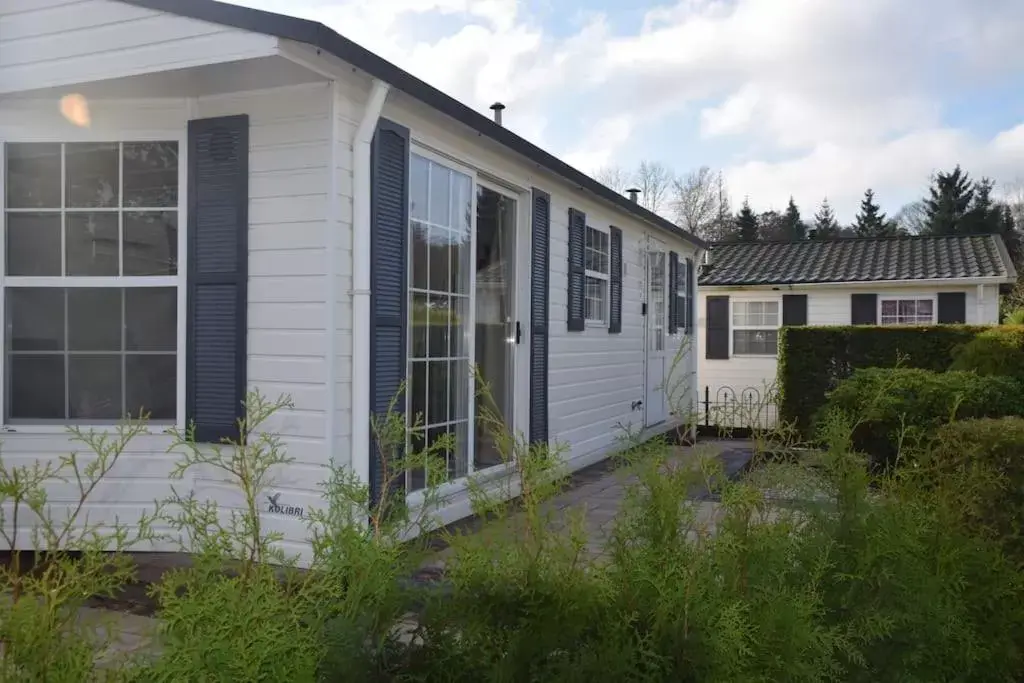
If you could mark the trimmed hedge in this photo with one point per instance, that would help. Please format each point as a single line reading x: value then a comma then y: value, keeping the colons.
x: 814, y: 360
x: 998, y: 351
x: 887, y: 403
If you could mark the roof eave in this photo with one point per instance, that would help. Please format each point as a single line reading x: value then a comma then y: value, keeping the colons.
x: 321, y: 37
x: 983, y: 280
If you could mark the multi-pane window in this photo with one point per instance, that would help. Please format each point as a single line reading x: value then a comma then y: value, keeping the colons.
x: 438, y: 391
x: 755, y: 328
x: 907, y: 312
x: 597, y: 275
x: 91, y: 280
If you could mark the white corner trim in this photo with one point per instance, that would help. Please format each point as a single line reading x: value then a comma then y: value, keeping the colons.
x: 360, y: 439
x: 331, y: 245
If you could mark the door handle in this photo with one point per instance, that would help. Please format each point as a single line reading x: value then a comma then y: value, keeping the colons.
x: 519, y: 332
x: 643, y: 308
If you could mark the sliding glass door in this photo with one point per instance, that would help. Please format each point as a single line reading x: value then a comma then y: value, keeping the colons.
x: 461, y: 313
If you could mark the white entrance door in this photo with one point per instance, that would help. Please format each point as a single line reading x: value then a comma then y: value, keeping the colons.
x: 656, y: 329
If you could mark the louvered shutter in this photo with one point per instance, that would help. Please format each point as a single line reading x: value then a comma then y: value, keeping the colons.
x: 217, y: 296
x: 863, y: 309
x: 389, y: 229
x: 952, y: 308
x: 691, y: 295
x: 575, y: 302
x: 539, y: 308
x: 794, y: 309
x: 716, y: 322
x: 615, y: 281
x: 673, y: 292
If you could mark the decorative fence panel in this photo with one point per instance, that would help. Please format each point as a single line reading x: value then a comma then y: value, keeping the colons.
x: 744, y: 409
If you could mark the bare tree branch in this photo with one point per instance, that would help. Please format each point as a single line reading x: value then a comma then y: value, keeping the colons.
x: 615, y: 177
x: 654, y: 179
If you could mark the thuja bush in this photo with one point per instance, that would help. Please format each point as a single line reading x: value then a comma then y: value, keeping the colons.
x: 59, y: 558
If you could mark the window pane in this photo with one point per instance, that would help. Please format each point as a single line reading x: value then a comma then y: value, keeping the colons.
x: 33, y: 175
x: 92, y: 174
x: 437, y: 326
x: 595, y: 299
x: 419, y: 175
x: 33, y: 244
x: 418, y: 393
x: 418, y: 326
x: 36, y: 319
x: 924, y: 308
x: 440, y: 195
x: 151, y: 318
x: 459, y: 261
x: 151, y: 243
x: 94, y: 319
x: 459, y: 318
x: 889, y: 308
x: 150, y: 174
x: 462, y: 207
x: 36, y: 389
x: 755, y: 342
x: 419, y: 255
x: 91, y: 244
x: 440, y: 268
x: 94, y: 387
x: 151, y: 386
x: 437, y: 392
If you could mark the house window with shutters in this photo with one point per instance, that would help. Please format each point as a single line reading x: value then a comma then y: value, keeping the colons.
x: 91, y: 280
x: 682, y: 301
x: 755, y: 328
x: 597, y: 275
x: 906, y: 311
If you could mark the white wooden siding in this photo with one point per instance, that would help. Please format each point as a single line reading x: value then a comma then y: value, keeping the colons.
x: 825, y: 306
x: 287, y: 342
x: 47, y: 43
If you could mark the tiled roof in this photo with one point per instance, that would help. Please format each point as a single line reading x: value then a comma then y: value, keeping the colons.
x: 857, y: 260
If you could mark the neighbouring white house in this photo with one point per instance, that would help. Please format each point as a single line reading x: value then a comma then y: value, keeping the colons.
x: 749, y: 290
x: 201, y: 199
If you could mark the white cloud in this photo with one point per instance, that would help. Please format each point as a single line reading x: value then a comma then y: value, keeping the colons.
x: 842, y: 95
x: 898, y: 169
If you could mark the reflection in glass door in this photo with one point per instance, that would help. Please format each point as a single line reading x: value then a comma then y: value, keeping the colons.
x: 494, y: 325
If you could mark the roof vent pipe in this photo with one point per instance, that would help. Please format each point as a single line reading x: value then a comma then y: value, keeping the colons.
x: 632, y: 192
x: 497, y: 107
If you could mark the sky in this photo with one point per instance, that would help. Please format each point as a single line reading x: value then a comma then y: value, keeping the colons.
x: 802, y: 98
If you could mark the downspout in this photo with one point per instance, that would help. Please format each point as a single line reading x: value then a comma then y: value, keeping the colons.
x: 331, y: 270
x: 360, y: 433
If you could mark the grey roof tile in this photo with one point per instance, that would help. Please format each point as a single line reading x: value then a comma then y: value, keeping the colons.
x: 857, y: 260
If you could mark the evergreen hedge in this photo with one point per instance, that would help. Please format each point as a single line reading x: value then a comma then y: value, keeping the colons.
x: 813, y: 360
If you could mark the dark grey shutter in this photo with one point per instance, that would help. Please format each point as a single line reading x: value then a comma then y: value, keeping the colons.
x: 615, y: 281
x: 673, y: 292
x: 539, y: 296
x: 716, y: 323
x: 794, y: 309
x: 389, y: 229
x: 952, y: 308
x: 691, y: 292
x: 218, y: 258
x: 864, y: 309
x: 577, y: 272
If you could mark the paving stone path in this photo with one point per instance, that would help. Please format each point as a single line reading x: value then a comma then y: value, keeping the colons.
x: 599, y: 491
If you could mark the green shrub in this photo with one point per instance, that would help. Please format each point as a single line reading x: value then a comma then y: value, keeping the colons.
x: 896, y: 408
x: 814, y: 360
x: 997, y: 351
x: 1014, y: 317
x: 993, y: 451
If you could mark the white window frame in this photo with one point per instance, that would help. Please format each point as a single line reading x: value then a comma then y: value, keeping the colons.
x: 606, y: 279
x: 908, y: 297
x: 30, y: 135
x: 733, y: 327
